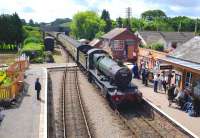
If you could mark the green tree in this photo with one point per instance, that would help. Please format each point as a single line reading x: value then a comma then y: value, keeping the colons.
x: 11, y: 31
x: 182, y: 23
x: 158, y: 47
x: 86, y: 25
x: 31, y: 22
x: 106, y: 17
x: 119, y: 22
x: 152, y: 14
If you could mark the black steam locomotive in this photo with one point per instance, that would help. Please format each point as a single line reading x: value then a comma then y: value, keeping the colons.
x: 113, y: 80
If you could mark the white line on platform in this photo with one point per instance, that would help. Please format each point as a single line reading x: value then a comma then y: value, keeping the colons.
x: 170, y: 118
x: 43, y: 113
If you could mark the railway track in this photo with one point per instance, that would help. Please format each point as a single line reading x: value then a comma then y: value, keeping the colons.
x: 74, y: 118
x: 145, y: 122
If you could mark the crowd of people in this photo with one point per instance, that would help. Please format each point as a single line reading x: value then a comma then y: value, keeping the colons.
x: 162, y: 82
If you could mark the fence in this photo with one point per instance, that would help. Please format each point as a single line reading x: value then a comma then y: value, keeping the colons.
x: 16, y: 73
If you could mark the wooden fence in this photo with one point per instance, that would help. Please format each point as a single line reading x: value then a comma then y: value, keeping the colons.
x: 16, y: 73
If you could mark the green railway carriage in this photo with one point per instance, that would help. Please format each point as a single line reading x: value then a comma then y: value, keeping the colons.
x: 70, y: 44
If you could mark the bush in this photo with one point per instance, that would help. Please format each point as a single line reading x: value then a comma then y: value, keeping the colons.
x: 142, y: 46
x: 158, y: 47
x: 37, y: 60
x: 33, y: 50
x: 33, y: 32
x: 31, y: 40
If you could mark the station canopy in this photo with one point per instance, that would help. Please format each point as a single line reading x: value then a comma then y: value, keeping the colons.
x: 182, y: 63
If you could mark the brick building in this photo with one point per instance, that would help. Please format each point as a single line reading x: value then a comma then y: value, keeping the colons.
x: 121, y: 44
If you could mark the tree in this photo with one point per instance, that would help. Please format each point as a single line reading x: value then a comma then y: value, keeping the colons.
x: 153, y: 14
x: 11, y: 31
x: 106, y: 17
x: 18, y: 30
x: 86, y: 25
x: 31, y: 22
x: 119, y: 22
x: 182, y: 23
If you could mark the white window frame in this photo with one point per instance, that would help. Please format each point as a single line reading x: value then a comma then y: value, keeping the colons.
x: 188, y: 80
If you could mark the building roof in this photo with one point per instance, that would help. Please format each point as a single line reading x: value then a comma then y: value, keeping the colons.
x: 150, y: 37
x: 113, y: 33
x: 177, y: 36
x: 154, y: 36
x: 94, y: 42
x: 188, y: 51
x: 182, y: 63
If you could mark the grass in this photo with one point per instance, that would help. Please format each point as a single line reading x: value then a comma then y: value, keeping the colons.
x: 33, y: 47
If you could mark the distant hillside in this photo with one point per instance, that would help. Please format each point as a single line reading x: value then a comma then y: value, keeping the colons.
x: 59, y: 22
x: 59, y: 25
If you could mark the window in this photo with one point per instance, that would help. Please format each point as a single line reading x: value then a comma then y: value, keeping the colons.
x: 118, y: 44
x: 177, y: 80
x: 188, y: 79
x: 130, y: 42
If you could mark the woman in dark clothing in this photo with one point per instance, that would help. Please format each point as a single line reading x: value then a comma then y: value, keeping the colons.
x: 164, y: 82
x: 146, y: 77
x: 171, y: 94
x: 143, y: 75
x: 136, y: 75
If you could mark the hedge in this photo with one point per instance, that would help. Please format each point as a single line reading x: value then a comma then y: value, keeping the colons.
x: 31, y: 40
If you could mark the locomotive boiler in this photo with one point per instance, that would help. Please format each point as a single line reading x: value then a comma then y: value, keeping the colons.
x: 119, y: 75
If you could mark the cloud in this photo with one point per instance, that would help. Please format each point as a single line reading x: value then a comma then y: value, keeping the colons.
x: 118, y: 8
x: 44, y: 10
x: 49, y: 10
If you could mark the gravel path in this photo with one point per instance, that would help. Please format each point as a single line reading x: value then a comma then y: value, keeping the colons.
x: 104, y: 122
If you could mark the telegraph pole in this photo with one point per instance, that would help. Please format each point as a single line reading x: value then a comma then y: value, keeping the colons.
x: 128, y: 13
x: 196, y: 26
x: 179, y: 27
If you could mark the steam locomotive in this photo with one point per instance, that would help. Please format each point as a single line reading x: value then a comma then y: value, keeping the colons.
x: 113, y: 79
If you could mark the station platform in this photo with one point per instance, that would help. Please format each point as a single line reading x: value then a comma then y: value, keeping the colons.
x: 54, y: 65
x: 28, y: 118
x: 160, y: 102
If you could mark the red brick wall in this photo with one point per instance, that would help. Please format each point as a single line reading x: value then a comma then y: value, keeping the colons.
x: 134, y: 48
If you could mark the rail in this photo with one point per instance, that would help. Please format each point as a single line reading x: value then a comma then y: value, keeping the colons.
x: 69, y: 96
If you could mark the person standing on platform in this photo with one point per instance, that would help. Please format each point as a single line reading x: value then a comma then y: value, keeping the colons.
x: 155, y: 83
x: 135, y: 71
x: 170, y: 76
x: 171, y: 94
x: 143, y: 75
x: 37, y: 88
x: 146, y: 76
x: 164, y: 82
x: 159, y: 82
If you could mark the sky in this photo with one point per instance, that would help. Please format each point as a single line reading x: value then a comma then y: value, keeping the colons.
x: 49, y: 10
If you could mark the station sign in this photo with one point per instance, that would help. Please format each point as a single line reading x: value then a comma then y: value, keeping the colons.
x: 163, y: 67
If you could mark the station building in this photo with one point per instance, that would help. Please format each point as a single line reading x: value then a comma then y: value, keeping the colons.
x: 185, y: 63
